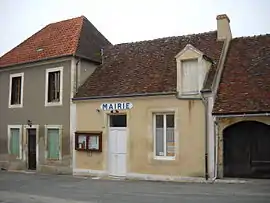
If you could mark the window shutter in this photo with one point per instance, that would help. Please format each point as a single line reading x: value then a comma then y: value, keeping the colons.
x: 190, y: 76
x: 15, y: 141
x: 53, y: 143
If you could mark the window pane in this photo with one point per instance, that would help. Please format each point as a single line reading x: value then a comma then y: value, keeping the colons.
x: 53, y: 143
x: 16, y: 90
x: 159, y: 135
x: 170, y: 121
x: 15, y: 141
x: 54, y: 86
x: 170, y: 148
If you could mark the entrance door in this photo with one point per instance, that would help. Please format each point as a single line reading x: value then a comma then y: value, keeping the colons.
x: 117, y: 145
x: 246, y: 150
x: 32, y: 159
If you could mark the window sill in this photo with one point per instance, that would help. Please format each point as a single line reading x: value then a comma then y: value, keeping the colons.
x: 164, y: 158
x: 15, y: 106
x: 53, y: 104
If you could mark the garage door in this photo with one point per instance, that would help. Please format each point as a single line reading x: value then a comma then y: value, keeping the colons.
x: 247, y: 150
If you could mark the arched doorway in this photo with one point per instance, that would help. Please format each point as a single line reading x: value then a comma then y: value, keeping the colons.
x: 246, y: 148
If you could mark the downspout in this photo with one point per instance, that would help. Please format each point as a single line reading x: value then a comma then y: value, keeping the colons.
x: 216, y: 133
x: 205, y: 102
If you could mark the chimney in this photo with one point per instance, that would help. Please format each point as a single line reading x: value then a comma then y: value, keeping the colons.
x: 223, y: 28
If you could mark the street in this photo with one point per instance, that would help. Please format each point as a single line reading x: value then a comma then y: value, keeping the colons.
x: 30, y: 188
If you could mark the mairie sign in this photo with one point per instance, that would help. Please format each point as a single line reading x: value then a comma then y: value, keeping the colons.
x: 116, y: 106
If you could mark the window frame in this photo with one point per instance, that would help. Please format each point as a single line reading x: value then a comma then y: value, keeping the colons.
x: 49, y: 70
x: 11, y: 76
x: 165, y: 143
x: 60, y: 128
x: 191, y: 94
x: 20, y: 139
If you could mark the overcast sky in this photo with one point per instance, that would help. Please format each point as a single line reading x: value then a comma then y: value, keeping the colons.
x: 132, y: 20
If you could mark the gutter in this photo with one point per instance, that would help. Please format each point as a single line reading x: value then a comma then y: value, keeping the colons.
x: 241, y: 115
x: 205, y: 102
x: 123, y: 95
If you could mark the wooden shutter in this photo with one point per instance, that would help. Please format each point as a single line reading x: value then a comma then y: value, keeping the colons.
x: 15, y: 141
x: 53, y: 143
x: 190, y: 77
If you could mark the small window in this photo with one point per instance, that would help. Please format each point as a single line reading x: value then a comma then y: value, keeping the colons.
x: 16, y: 90
x: 14, y: 141
x: 164, y: 135
x: 53, y: 144
x: 190, y: 77
x: 54, y: 86
x: 118, y: 121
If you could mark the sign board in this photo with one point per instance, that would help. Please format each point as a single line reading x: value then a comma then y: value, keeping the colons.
x: 116, y: 106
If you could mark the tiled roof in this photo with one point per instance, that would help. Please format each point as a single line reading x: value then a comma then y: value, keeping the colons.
x: 146, y: 66
x: 245, y: 81
x: 76, y: 36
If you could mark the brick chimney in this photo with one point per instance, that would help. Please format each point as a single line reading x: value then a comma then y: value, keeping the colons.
x: 223, y: 28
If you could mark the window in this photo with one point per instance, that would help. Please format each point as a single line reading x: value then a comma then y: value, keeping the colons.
x: 53, y: 142
x: 16, y: 90
x: 164, y: 135
x: 190, y: 77
x: 54, y: 85
x: 14, y: 141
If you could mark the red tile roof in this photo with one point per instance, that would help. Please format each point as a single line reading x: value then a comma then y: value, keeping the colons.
x: 146, y: 66
x: 76, y: 36
x: 245, y: 82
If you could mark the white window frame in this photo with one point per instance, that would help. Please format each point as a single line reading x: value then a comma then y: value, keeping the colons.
x: 49, y: 70
x: 10, y: 90
x: 20, y: 139
x: 165, y: 143
x: 60, y: 128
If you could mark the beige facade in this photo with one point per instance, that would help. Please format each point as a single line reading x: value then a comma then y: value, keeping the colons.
x: 222, y: 124
x: 189, y: 136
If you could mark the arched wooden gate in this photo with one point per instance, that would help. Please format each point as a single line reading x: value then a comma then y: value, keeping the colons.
x: 246, y: 148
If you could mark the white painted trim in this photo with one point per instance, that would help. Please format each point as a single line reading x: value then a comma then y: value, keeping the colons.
x: 20, y: 138
x: 10, y: 89
x: 25, y: 154
x: 73, y: 128
x: 60, y: 127
x: 61, y: 86
x: 188, y: 47
x: 163, y: 112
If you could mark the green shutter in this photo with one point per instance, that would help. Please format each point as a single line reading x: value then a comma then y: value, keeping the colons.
x: 15, y: 141
x: 53, y: 143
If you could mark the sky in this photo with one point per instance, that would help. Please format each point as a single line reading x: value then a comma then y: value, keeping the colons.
x: 132, y: 20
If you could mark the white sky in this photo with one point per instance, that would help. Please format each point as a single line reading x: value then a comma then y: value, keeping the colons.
x: 132, y: 20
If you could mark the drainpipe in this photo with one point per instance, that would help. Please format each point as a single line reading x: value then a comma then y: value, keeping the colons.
x: 242, y: 115
x: 205, y: 102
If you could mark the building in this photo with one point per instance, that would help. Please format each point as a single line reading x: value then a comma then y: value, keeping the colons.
x: 146, y: 112
x: 38, y: 78
x: 242, y: 109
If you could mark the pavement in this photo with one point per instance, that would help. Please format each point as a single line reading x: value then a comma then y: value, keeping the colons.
x: 38, y: 188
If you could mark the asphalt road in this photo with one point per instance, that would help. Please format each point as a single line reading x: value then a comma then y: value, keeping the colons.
x: 30, y: 188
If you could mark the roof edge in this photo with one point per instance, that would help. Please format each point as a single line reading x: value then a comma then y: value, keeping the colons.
x: 242, y: 114
x: 123, y: 95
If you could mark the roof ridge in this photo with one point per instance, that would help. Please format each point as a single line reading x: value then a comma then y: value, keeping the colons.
x: 168, y: 37
x: 253, y: 36
x: 79, y: 34
x: 64, y: 20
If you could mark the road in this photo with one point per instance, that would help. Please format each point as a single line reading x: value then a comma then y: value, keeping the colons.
x: 36, y: 188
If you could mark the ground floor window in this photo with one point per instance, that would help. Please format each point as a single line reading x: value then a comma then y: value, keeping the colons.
x: 53, y: 136
x: 164, y: 135
x: 14, y: 140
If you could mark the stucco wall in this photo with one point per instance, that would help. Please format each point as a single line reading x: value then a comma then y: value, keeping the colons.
x: 226, y: 122
x: 190, y: 150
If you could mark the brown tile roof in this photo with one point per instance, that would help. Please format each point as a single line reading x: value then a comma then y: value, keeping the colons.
x: 76, y: 36
x: 245, y: 81
x: 146, y: 66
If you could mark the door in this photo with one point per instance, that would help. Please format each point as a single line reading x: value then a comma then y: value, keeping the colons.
x: 117, y: 145
x: 246, y: 150
x: 32, y: 159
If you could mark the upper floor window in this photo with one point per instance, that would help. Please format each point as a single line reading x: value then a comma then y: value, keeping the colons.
x: 190, y: 77
x: 54, y: 86
x: 16, y: 90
